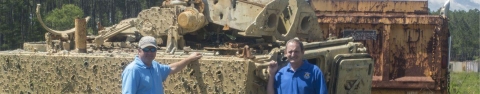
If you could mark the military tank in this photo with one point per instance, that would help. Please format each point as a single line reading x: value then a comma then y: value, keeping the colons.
x: 236, y: 38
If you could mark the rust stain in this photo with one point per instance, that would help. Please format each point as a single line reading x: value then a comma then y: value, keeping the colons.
x: 411, y: 49
x: 411, y: 46
x: 372, y: 6
x: 404, y: 91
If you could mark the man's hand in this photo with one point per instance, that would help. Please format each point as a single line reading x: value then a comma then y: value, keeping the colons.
x: 177, y: 66
x: 272, y: 68
x: 194, y: 56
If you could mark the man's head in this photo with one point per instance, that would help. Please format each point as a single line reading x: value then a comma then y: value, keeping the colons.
x: 147, y: 49
x: 294, y: 51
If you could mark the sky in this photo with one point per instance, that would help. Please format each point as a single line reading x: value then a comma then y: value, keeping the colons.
x: 454, y: 4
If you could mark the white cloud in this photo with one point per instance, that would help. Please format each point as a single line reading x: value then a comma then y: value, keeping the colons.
x: 454, y: 5
x: 476, y: 1
x: 436, y: 1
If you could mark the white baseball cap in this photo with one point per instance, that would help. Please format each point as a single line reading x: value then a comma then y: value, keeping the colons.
x: 147, y: 41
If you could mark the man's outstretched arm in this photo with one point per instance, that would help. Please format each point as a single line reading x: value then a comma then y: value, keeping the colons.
x: 178, y: 66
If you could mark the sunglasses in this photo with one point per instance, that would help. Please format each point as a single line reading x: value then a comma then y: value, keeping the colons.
x: 149, y: 49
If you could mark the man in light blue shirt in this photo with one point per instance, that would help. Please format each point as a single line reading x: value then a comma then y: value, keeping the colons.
x: 298, y: 77
x: 145, y: 75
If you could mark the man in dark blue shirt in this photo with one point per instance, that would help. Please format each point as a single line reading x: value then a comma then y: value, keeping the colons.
x: 298, y: 77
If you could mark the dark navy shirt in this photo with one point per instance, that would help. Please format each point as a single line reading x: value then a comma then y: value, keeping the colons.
x: 308, y: 79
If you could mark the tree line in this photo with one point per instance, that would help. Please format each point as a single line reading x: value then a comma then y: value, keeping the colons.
x: 18, y: 22
x: 464, y: 29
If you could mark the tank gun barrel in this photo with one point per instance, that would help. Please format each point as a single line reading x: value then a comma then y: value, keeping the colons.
x: 325, y: 43
x: 64, y: 33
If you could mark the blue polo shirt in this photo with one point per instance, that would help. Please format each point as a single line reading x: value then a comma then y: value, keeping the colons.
x: 308, y: 79
x: 137, y: 78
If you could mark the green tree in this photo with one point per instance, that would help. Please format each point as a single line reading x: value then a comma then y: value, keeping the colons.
x: 464, y: 29
x: 63, y: 18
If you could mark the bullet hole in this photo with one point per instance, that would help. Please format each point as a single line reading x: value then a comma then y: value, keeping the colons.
x: 4, y: 69
x: 234, y: 4
x: 58, y: 71
x: 19, y: 67
x: 73, y: 77
x: 192, y: 72
x: 221, y: 16
x: 8, y: 65
x: 31, y: 86
x: 217, y: 89
x: 94, y: 68
x: 85, y: 63
x: 123, y: 64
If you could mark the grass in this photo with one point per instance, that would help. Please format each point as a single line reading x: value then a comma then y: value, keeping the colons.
x: 465, y: 83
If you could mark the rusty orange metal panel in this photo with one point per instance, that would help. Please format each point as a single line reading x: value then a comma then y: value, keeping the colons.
x: 379, y: 19
x: 367, y: 6
x: 404, y: 91
x: 410, y: 50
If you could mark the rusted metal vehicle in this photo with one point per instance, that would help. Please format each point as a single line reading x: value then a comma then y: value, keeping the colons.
x: 236, y: 37
x: 409, y: 46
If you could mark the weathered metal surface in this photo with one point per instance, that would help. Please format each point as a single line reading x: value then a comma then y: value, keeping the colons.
x: 371, y: 6
x: 35, y: 46
x: 84, y: 73
x: 156, y: 21
x: 410, y: 49
x: 100, y: 71
x: 258, y: 19
x: 360, y: 34
x: 80, y: 35
x: 403, y: 50
x: 375, y: 19
x: 405, y: 91
x: 354, y: 72
x: 282, y: 19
